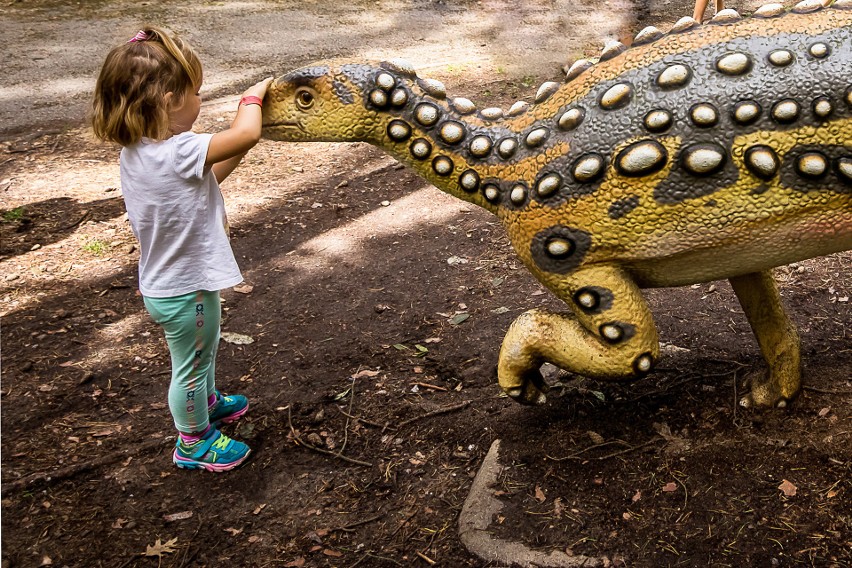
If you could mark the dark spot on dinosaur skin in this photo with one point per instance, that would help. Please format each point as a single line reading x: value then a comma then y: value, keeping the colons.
x: 616, y: 332
x: 685, y: 182
x: 567, y: 188
x: 308, y: 75
x: 344, y: 95
x: 791, y: 178
x: 643, y: 364
x: 502, y: 191
x: 598, y: 299
x: 579, y: 242
x: 622, y: 207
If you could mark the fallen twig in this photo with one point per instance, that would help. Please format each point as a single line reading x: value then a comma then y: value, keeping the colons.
x: 432, y: 413
x: 346, y: 426
x: 826, y: 391
x: 428, y: 560
x: 369, y: 554
x: 577, y: 456
x: 430, y: 386
x: 82, y: 218
x: 131, y: 559
x: 301, y: 442
x: 76, y: 469
x: 351, y: 526
x: 361, y: 420
x: 402, y: 524
x: 185, y: 561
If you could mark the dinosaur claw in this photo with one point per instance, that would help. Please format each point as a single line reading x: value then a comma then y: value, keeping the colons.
x: 514, y: 393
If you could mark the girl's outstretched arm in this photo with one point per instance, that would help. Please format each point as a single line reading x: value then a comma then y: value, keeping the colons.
x: 228, y: 147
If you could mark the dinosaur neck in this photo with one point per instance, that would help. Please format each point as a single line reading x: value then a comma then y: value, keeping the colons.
x: 484, y: 157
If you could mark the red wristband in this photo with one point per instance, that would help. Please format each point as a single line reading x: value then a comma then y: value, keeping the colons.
x: 250, y: 100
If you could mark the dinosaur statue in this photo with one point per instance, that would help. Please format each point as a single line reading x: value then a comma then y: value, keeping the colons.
x: 711, y: 151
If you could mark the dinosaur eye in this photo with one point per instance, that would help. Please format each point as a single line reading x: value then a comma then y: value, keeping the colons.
x: 305, y: 99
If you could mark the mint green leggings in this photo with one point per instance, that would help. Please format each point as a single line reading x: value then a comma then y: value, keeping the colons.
x: 191, y: 323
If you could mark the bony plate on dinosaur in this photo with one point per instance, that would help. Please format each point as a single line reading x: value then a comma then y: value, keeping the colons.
x: 715, y: 151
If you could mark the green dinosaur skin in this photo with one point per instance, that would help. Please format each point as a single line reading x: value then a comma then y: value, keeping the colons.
x: 711, y: 152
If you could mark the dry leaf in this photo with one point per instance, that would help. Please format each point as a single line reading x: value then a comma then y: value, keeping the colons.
x: 119, y: 523
x: 161, y: 548
x: 365, y: 373
x: 259, y: 508
x: 253, y: 539
x: 177, y: 516
x: 297, y: 563
x: 539, y: 494
x: 788, y: 488
x: 824, y: 411
x: 459, y: 318
x: 236, y: 338
x: 670, y: 487
x: 595, y: 437
x: 637, y: 496
x: 233, y: 531
x: 46, y: 561
x: 333, y: 553
x: 244, y: 289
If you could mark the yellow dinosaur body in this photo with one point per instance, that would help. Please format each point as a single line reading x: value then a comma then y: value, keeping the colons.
x: 716, y: 151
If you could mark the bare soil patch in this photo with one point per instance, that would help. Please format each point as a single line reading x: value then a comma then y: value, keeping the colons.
x: 374, y: 398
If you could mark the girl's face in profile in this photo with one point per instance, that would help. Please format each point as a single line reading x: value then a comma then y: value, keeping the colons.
x: 182, y: 117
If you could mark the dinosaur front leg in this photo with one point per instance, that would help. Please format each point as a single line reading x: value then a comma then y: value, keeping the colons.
x: 609, y: 335
x: 777, y: 337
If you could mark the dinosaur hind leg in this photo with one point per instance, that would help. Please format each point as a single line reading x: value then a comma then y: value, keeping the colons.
x: 777, y: 337
x: 609, y: 335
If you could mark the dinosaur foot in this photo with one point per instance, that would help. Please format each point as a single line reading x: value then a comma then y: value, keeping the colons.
x: 767, y: 391
x: 533, y: 389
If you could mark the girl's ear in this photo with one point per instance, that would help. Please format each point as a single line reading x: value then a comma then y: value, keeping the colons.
x: 167, y: 98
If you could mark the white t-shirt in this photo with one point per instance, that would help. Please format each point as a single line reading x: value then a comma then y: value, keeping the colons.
x: 177, y: 212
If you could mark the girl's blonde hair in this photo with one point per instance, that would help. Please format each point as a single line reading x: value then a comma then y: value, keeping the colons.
x: 130, y: 94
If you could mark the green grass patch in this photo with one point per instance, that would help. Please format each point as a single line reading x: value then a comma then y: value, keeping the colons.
x: 96, y: 247
x: 15, y: 214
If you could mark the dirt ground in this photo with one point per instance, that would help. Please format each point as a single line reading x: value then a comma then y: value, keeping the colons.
x: 375, y: 305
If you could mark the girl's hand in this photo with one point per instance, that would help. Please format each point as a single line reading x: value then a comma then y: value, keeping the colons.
x: 258, y: 89
x: 228, y: 146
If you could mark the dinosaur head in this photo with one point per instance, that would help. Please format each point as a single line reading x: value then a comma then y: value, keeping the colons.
x: 326, y: 102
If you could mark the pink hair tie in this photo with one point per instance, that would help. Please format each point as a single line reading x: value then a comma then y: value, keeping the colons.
x: 142, y: 35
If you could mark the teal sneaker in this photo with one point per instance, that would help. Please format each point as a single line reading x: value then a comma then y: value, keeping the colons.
x: 214, y: 452
x: 227, y: 409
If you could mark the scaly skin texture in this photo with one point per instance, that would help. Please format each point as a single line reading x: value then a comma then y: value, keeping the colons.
x: 710, y: 152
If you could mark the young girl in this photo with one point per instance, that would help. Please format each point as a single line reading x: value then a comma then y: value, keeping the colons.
x: 147, y: 99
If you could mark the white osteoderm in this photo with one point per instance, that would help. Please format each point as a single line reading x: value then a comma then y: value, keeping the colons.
x: 703, y: 160
x: 674, y: 76
x: 734, y: 64
x: 616, y: 95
